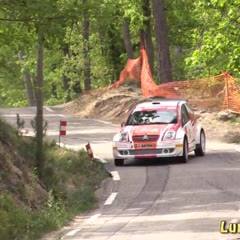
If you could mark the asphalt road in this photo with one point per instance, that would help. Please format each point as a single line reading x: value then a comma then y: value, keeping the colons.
x: 155, y: 200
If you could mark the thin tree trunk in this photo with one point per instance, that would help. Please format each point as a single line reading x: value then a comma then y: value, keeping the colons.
x: 177, y: 58
x: 101, y: 34
x: 28, y: 84
x: 147, y: 34
x: 65, y: 79
x: 127, y: 39
x: 114, y: 51
x: 39, y: 100
x: 86, y: 49
x: 164, y: 62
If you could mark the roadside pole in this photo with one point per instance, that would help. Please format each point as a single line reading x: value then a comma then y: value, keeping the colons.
x: 89, y: 150
x: 62, y: 129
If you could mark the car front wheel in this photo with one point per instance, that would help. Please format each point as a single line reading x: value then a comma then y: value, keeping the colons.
x: 119, y: 162
x: 184, y: 157
x: 201, y: 148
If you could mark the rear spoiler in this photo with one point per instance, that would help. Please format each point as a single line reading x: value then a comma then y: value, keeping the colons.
x: 166, y: 99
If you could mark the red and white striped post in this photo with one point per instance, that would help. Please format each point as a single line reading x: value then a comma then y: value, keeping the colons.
x: 89, y: 150
x: 62, y: 129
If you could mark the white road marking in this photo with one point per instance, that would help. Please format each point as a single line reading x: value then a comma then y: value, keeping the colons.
x: 111, y: 198
x: 61, y: 144
x: 234, y: 221
x: 100, y: 159
x: 89, y: 220
x: 61, y: 115
x: 93, y: 218
x: 101, y: 121
x: 115, y: 175
x: 49, y: 109
x: 73, y: 232
x: 237, y: 149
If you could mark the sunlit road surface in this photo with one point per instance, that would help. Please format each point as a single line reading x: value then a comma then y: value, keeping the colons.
x: 150, y: 199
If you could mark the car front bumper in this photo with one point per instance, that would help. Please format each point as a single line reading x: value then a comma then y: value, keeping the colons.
x: 163, y: 149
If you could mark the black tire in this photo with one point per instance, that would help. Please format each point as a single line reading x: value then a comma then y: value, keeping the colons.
x: 184, y: 158
x: 200, y: 149
x: 119, y: 162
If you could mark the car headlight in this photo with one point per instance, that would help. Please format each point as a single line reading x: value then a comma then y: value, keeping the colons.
x: 124, y: 137
x: 169, y: 135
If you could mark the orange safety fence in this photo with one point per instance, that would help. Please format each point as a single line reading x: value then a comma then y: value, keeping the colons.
x: 218, y: 92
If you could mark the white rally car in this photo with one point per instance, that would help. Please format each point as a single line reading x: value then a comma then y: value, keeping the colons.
x: 159, y: 128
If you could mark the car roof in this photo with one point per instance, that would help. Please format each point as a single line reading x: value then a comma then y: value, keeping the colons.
x: 161, y: 103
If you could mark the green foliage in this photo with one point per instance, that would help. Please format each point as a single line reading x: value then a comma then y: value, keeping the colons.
x: 14, y: 221
x: 70, y: 178
x: 22, y: 224
x: 203, y: 36
x: 216, y: 40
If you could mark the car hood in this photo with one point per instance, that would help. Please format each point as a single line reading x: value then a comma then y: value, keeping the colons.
x: 139, y: 130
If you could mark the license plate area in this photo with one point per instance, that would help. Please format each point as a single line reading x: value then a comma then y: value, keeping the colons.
x: 145, y: 145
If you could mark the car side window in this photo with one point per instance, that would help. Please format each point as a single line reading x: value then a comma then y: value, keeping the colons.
x: 185, y: 115
x: 190, y: 111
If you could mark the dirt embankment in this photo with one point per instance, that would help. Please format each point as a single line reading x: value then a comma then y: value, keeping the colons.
x: 17, y: 178
x: 108, y: 105
x: 113, y: 105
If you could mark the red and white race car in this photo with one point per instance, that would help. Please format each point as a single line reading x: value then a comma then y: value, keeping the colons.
x: 159, y: 128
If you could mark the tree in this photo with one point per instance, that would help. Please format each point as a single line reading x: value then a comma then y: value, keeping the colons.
x: 127, y: 39
x: 147, y: 33
x: 39, y: 101
x: 66, y: 79
x: 216, y: 41
x: 28, y: 83
x: 163, y: 51
x: 86, y: 48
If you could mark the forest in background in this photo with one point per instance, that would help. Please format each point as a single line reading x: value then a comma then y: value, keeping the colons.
x: 86, y: 43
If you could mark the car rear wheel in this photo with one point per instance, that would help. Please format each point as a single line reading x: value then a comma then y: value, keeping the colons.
x: 184, y: 157
x: 119, y: 162
x: 200, y: 149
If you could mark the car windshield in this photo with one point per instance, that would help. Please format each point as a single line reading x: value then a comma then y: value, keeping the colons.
x: 152, y: 117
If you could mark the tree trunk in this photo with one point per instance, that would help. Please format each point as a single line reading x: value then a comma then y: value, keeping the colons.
x: 39, y: 100
x: 164, y: 61
x: 28, y: 84
x: 127, y: 39
x: 177, y: 70
x: 65, y: 79
x: 147, y: 34
x: 86, y: 49
x: 115, y: 50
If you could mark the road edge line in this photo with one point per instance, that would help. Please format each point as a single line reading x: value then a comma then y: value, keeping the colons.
x: 111, y: 198
x: 116, y: 176
x: 48, y: 109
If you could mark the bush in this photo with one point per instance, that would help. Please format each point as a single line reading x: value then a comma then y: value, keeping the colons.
x: 70, y: 178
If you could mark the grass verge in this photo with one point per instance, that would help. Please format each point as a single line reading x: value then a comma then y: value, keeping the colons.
x: 70, y: 180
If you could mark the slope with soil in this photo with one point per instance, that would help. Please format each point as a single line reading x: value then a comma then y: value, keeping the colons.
x: 113, y: 106
x: 31, y: 207
x: 16, y: 176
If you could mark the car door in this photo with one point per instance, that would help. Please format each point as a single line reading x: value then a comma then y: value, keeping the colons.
x: 187, y: 124
x: 193, y: 119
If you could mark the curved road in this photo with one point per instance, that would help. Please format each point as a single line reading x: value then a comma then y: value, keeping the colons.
x: 150, y: 199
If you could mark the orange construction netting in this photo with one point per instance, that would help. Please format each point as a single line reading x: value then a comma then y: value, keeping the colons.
x: 218, y: 92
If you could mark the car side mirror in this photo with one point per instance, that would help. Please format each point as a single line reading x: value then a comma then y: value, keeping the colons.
x: 123, y: 124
